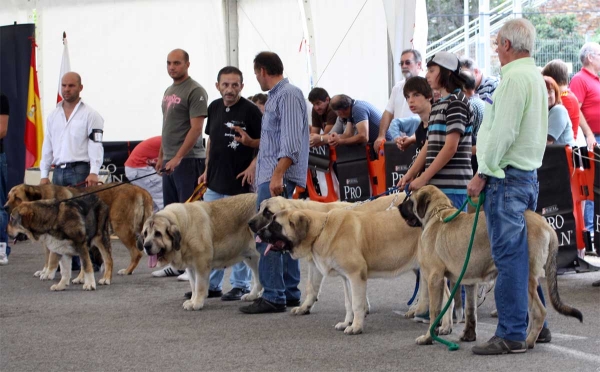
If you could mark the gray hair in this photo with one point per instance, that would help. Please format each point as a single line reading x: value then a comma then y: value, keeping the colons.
x: 586, y: 50
x: 415, y: 53
x: 521, y: 34
x: 468, y: 63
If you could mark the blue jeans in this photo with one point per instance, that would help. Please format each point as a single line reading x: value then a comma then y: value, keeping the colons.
x: 71, y: 176
x: 588, y: 209
x: 278, y: 272
x: 3, y: 194
x: 240, y: 273
x: 505, y: 203
x: 458, y: 200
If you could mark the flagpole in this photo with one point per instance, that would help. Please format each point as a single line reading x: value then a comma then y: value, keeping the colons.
x: 65, y: 66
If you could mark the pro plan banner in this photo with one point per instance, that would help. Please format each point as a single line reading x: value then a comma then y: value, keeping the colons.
x: 555, y: 203
x: 397, y: 162
x: 115, y: 156
x: 353, y: 173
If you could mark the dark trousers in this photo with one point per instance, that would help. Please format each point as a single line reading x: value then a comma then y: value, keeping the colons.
x: 180, y: 184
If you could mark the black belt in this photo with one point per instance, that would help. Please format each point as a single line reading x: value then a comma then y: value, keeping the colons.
x: 71, y: 165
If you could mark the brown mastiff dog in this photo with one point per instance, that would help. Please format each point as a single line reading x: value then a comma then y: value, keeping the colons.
x: 444, y: 246
x: 129, y: 207
x: 68, y: 228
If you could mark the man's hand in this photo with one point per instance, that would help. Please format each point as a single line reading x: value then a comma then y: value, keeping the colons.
x: 403, y: 142
x: 591, y: 141
x: 202, y: 178
x: 45, y: 181
x: 404, y: 180
x: 91, y: 180
x: 172, y: 164
x: 158, y: 165
x: 417, y: 183
x: 378, y: 143
x: 248, y: 174
x: 334, y: 139
x: 244, y: 138
x: 276, y: 185
x: 314, y: 139
x: 475, y: 186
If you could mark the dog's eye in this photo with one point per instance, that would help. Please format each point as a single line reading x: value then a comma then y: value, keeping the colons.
x: 158, y: 234
x: 267, y: 213
x: 145, y: 233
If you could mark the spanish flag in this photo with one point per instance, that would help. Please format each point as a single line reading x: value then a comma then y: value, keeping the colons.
x: 34, y: 131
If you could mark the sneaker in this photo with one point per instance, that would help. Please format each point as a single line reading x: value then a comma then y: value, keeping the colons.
x: 211, y: 294
x: 235, y: 294
x: 184, y: 277
x: 545, y: 336
x: 262, y: 306
x: 3, y: 260
x: 422, y: 318
x: 292, y: 303
x: 499, y: 346
x: 167, y: 271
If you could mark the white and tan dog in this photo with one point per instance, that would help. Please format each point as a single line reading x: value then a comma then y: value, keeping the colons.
x: 355, y: 245
x: 201, y: 236
x: 444, y: 246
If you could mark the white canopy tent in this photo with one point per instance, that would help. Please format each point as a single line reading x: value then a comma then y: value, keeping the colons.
x: 120, y: 47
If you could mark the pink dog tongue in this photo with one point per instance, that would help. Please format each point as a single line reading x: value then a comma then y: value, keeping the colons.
x: 152, y: 261
x: 268, y: 249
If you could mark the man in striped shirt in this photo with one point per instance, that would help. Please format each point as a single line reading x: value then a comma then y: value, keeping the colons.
x: 484, y: 85
x: 282, y: 165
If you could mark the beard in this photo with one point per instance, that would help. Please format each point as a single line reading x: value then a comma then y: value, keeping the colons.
x: 407, y: 74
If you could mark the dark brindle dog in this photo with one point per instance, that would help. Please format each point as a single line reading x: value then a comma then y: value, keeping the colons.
x: 69, y: 229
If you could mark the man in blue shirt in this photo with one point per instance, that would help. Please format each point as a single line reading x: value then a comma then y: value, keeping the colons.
x: 358, y: 124
x: 282, y: 165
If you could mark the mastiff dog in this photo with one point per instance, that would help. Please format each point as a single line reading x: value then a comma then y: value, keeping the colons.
x: 68, y: 228
x: 201, y: 236
x: 354, y: 245
x: 444, y: 246
x: 129, y: 206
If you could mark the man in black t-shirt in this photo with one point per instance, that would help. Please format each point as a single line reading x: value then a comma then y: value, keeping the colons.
x: 233, y: 130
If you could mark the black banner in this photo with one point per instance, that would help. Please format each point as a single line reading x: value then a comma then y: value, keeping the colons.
x: 115, y: 156
x: 397, y: 162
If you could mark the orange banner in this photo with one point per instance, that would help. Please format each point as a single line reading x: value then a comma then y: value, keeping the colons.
x: 34, y: 131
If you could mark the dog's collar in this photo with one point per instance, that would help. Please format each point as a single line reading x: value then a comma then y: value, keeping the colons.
x: 436, y: 212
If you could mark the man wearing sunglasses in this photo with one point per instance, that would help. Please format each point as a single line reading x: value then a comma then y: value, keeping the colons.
x: 397, y: 108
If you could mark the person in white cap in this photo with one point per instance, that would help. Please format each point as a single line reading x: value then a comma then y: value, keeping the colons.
x: 445, y: 159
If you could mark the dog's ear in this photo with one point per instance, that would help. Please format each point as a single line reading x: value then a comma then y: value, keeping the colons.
x: 32, y: 193
x: 139, y: 241
x: 300, y: 223
x: 175, y: 234
x: 423, y: 200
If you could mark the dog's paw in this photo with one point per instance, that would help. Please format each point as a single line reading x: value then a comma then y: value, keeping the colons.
x: 424, y: 340
x: 409, y: 314
x: 89, y: 286
x: 58, y: 287
x: 38, y: 273
x: 104, y: 281
x: 45, y: 276
x: 78, y: 280
x: 444, y: 330
x: 468, y: 335
x: 300, y: 310
x: 342, y: 326
x: 124, y: 272
x: 353, y: 330
x: 189, y: 305
x: 249, y: 297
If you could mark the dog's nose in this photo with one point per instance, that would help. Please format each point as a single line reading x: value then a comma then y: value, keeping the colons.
x: 148, y: 246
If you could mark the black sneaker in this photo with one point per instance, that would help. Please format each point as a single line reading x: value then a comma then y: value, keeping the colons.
x: 545, y: 336
x: 498, y: 346
x: 234, y: 295
x: 211, y: 294
x: 292, y: 303
x: 262, y: 306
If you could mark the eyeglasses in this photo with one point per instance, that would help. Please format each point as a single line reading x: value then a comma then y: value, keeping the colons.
x: 408, y: 62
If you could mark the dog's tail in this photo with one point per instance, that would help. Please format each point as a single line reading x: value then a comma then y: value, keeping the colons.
x: 552, y: 281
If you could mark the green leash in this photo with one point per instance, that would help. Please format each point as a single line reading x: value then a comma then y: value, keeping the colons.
x: 451, y: 345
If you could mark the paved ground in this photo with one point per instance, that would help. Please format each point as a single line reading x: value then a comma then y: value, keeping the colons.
x: 138, y: 324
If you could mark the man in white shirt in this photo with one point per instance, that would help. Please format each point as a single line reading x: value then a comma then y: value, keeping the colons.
x: 73, y: 139
x: 397, y: 108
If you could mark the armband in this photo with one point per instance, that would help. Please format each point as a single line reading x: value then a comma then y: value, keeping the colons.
x: 96, y: 135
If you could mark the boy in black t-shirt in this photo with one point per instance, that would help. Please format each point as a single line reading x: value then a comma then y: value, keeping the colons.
x: 418, y: 95
x: 233, y: 130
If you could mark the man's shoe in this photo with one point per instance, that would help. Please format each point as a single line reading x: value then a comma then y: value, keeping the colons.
x: 184, y: 277
x: 3, y: 260
x: 499, y: 346
x: 262, y: 306
x: 234, y: 295
x: 292, y: 303
x: 211, y: 294
x: 167, y: 271
x: 422, y: 318
x: 545, y: 336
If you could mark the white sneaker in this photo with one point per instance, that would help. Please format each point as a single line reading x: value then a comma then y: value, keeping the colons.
x: 167, y: 271
x: 184, y: 277
x: 3, y: 256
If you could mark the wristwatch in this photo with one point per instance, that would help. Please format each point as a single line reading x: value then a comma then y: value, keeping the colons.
x: 482, y: 176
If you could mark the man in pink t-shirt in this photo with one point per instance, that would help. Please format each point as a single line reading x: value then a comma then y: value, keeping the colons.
x: 586, y: 86
x: 141, y: 162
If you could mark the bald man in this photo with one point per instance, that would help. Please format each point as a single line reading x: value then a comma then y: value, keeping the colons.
x: 73, y: 139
